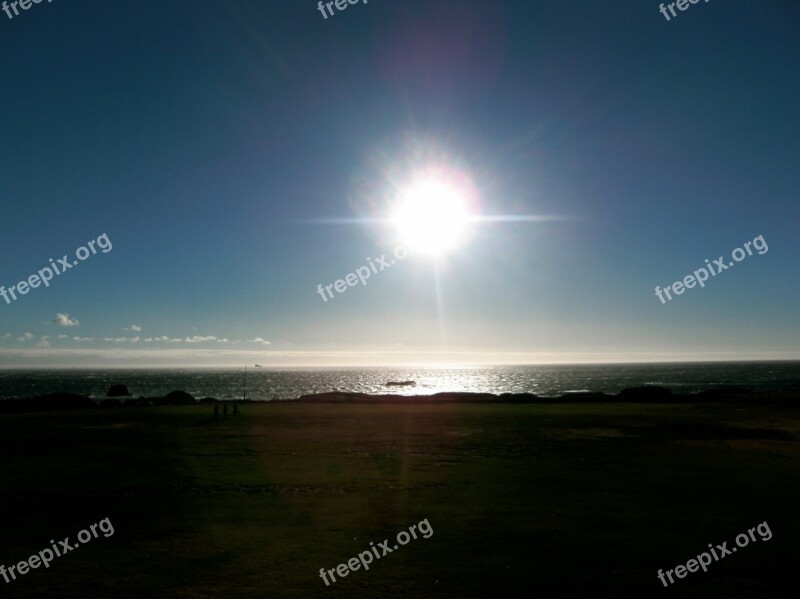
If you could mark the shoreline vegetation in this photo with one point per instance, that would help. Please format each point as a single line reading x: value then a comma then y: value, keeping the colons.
x: 645, y: 394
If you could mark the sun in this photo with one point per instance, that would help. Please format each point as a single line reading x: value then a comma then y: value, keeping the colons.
x: 432, y: 215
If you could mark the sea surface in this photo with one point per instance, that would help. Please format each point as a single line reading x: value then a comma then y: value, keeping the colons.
x: 268, y: 384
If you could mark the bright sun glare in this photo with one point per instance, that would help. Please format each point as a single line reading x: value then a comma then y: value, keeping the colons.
x: 432, y: 215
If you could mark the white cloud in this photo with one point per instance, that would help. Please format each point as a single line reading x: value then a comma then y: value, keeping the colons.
x: 135, y: 339
x: 63, y: 320
x: 43, y: 344
x: 6, y: 336
x: 45, y: 337
x: 81, y: 339
x: 25, y: 337
x: 62, y: 336
x: 134, y: 328
x: 259, y: 341
x: 115, y: 339
x: 197, y: 339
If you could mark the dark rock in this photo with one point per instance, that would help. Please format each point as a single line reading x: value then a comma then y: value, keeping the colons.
x: 179, y: 398
x: 518, y: 397
x: 584, y: 396
x: 118, y: 391
x: 646, y: 393
x: 343, y: 397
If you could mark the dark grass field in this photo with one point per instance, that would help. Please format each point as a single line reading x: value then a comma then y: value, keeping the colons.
x: 553, y: 500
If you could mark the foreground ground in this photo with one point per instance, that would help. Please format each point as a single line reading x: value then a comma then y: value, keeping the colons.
x: 524, y: 500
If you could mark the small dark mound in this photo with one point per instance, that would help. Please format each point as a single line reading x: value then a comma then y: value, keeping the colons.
x: 111, y: 403
x: 585, y: 396
x: 118, y: 391
x: 646, y: 393
x: 518, y: 397
x: 179, y: 398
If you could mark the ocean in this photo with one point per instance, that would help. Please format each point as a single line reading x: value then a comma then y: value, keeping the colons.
x: 268, y: 384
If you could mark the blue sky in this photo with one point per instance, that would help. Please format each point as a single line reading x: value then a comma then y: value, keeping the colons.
x: 215, y: 144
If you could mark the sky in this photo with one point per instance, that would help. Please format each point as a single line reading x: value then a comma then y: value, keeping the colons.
x: 238, y: 156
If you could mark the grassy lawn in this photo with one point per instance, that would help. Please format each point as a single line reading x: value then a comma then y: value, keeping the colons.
x: 524, y: 500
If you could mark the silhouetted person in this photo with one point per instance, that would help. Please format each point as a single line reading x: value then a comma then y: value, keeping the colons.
x: 216, y: 412
x: 225, y: 410
x: 235, y: 409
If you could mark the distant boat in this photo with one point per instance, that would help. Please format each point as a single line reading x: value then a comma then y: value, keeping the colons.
x: 401, y: 384
x: 259, y: 366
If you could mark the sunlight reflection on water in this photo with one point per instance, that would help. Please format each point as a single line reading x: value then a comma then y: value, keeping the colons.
x: 287, y: 384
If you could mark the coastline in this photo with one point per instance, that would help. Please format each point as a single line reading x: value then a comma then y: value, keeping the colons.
x: 60, y: 401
